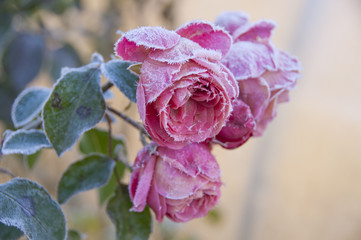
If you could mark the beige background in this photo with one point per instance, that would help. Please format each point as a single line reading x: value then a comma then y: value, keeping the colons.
x: 301, y: 180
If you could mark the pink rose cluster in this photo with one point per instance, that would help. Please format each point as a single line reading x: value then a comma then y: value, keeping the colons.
x: 202, y: 84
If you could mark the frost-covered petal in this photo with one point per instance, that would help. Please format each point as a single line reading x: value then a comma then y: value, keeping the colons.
x: 194, y: 160
x: 136, y: 44
x: 180, y: 53
x: 141, y: 179
x: 185, y: 183
x: 249, y: 60
x: 232, y: 20
x: 207, y: 35
x: 155, y: 77
x: 256, y: 94
x: 239, y: 127
x: 260, y: 31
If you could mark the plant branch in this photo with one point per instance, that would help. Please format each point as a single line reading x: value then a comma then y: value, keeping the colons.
x: 130, y: 121
x: 5, y: 171
x: 107, y: 86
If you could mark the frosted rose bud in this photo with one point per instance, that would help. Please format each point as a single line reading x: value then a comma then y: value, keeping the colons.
x: 180, y: 184
x: 264, y: 74
x: 184, y: 93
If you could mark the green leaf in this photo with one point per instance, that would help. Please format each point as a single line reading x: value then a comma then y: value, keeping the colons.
x: 28, y: 206
x: 96, y: 140
x: 32, y: 159
x: 129, y: 225
x: 25, y: 142
x: 9, y: 233
x: 28, y: 104
x: 116, y: 71
x: 107, y: 190
x: 75, y: 106
x: 91, y: 172
x: 73, y: 235
x: 23, y: 58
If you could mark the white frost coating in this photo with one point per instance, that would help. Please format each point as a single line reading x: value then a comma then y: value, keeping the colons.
x: 66, y: 70
x: 36, y: 226
x: 97, y: 58
x: 37, y: 110
x: 28, y: 142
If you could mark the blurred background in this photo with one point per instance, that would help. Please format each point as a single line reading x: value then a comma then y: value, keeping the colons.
x: 299, y: 181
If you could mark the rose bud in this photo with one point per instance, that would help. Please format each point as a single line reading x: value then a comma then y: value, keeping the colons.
x: 180, y: 184
x: 264, y: 74
x: 184, y: 93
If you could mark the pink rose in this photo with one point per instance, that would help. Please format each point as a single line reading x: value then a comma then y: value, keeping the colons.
x: 180, y: 184
x: 264, y: 74
x: 184, y: 93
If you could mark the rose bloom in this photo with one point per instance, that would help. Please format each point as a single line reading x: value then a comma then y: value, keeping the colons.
x: 264, y: 75
x: 184, y: 93
x: 180, y: 184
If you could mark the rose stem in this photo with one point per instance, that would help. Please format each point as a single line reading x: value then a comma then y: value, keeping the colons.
x: 129, y: 120
x: 5, y: 171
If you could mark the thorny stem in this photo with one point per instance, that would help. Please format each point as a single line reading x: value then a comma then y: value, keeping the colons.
x: 5, y: 171
x: 130, y: 121
x: 110, y: 154
x: 107, y: 86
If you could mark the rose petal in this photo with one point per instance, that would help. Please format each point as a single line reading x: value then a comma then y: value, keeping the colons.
x: 232, y: 20
x: 256, y: 94
x: 136, y: 44
x: 194, y: 159
x: 174, y: 184
x: 249, y: 60
x: 207, y: 35
x: 157, y: 202
x: 238, y: 128
x: 268, y: 115
x: 156, y: 77
x: 158, y: 133
x: 260, y: 31
x: 180, y: 53
x: 146, y: 170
